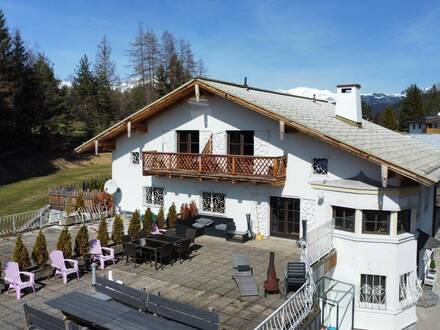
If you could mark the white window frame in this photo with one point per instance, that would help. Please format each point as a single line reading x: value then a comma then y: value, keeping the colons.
x: 157, y: 196
x: 373, y: 296
x: 211, y: 209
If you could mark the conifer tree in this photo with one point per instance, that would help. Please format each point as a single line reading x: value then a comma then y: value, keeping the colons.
x: 172, y: 216
x: 64, y: 243
x: 103, y: 232
x: 21, y: 254
x: 412, y: 107
x: 388, y: 118
x: 134, y: 227
x: 160, y: 218
x: 148, y: 221
x: 366, y: 111
x: 39, y: 252
x: 82, y: 241
x: 118, y: 230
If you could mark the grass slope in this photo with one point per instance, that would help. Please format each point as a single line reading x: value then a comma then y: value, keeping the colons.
x: 31, y: 194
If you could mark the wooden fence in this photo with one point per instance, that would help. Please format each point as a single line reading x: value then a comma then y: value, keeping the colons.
x: 61, y: 198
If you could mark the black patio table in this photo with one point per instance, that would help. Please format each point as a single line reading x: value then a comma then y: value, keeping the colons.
x: 151, y: 245
x: 99, y: 314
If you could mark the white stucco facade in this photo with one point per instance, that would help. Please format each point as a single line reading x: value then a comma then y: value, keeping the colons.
x: 357, y: 253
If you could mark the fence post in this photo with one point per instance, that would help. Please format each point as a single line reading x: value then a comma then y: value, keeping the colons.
x: 41, y: 219
x: 13, y: 224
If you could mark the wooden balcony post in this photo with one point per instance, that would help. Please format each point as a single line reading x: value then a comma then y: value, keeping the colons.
x: 200, y: 163
x: 233, y: 165
x: 275, y: 167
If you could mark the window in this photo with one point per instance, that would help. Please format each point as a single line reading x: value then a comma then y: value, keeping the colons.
x: 403, y: 221
x: 188, y: 142
x: 241, y: 143
x: 414, y: 126
x: 372, y: 291
x: 376, y: 222
x: 153, y: 196
x: 420, y: 126
x: 135, y: 157
x: 344, y: 218
x: 213, y: 202
x: 320, y: 165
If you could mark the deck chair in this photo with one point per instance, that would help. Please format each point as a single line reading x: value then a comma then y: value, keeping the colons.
x: 243, y: 275
x: 295, y: 276
x: 63, y: 267
x: 13, y: 276
x: 98, y: 251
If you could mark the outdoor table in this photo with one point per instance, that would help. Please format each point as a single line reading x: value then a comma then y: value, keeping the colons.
x: 149, y: 247
x: 99, y: 314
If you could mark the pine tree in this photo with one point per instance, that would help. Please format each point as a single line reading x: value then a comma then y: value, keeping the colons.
x: 118, y: 230
x: 172, y: 216
x: 366, y: 111
x: 138, y: 59
x: 103, y: 232
x: 21, y: 254
x: 176, y: 73
x: 134, y: 226
x: 388, y: 118
x: 82, y: 241
x: 148, y: 221
x: 39, y: 252
x: 412, y: 107
x: 64, y: 243
x: 160, y: 218
x: 162, y: 84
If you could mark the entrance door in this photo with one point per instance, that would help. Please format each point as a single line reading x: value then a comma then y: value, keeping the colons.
x: 284, y: 217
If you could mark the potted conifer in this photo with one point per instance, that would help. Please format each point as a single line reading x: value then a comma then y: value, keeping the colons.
x: 118, y: 234
x: 134, y: 227
x: 64, y: 243
x: 82, y: 247
x: 160, y: 221
x: 21, y: 254
x: 172, y: 216
x: 40, y: 256
x: 102, y: 234
x: 148, y: 222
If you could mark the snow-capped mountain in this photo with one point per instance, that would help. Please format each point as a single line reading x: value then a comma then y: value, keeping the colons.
x: 376, y: 101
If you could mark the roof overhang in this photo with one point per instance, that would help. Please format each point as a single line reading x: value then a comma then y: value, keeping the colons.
x: 188, y: 88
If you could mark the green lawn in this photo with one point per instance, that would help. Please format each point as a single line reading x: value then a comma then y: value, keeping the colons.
x: 31, y: 194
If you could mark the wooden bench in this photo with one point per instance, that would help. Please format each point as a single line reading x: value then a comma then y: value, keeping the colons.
x: 36, y: 319
x: 179, y: 312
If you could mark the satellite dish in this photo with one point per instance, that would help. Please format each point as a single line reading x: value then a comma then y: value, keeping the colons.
x: 110, y: 187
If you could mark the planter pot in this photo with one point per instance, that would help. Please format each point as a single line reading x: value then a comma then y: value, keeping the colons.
x: 41, y: 273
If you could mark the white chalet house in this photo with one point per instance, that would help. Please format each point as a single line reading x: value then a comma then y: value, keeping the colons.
x: 285, y: 159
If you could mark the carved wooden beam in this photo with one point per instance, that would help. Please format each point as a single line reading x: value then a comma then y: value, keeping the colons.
x: 129, y: 129
x: 384, y: 175
x: 282, y: 130
x: 96, y: 147
x: 197, y: 92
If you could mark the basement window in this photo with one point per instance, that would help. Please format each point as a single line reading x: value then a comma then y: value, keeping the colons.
x: 153, y: 196
x: 213, y: 202
x: 135, y: 157
x: 320, y: 165
x: 372, y: 291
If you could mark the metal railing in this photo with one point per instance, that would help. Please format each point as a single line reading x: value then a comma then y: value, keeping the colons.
x: 410, y: 290
x: 319, y: 242
x: 20, y: 222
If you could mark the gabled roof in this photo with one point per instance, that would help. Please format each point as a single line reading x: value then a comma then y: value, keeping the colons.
x: 399, y: 152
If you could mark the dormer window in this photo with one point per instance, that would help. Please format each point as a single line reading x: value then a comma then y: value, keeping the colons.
x: 320, y: 165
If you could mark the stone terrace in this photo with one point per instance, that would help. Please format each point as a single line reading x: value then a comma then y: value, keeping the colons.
x: 204, y: 281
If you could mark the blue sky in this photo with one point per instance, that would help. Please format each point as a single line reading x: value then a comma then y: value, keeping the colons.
x: 383, y: 45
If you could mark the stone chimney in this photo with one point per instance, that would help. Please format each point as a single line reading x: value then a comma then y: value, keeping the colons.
x: 348, y: 104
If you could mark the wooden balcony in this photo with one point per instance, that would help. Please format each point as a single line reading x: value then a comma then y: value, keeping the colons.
x: 255, y: 169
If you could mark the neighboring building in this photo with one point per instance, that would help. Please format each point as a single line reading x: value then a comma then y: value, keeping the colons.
x: 239, y: 150
x: 426, y: 125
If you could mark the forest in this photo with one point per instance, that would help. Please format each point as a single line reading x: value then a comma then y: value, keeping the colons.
x: 38, y: 111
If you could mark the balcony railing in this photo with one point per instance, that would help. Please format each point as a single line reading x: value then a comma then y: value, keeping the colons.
x: 207, y: 166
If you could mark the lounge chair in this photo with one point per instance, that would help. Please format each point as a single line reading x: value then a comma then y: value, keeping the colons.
x: 63, y: 267
x: 243, y: 275
x: 294, y: 276
x: 98, y: 251
x: 13, y: 276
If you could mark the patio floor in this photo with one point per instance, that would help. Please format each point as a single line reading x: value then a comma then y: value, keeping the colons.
x: 204, y: 281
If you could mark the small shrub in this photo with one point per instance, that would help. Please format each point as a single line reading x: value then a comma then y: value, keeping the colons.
x: 79, y: 201
x: 172, y: 216
x: 184, y: 211
x: 160, y: 218
x: 193, y: 210
x: 82, y: 241
x: 65, y: 243
x: 148, y: 221
x: 134, y: 226
x: 103, y: 232
x: 39, y: 252
x: 432, y: 264
x: 118, y: 230
x: 21, y: 254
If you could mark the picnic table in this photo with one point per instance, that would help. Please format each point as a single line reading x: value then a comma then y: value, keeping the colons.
x: 108, y: 314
